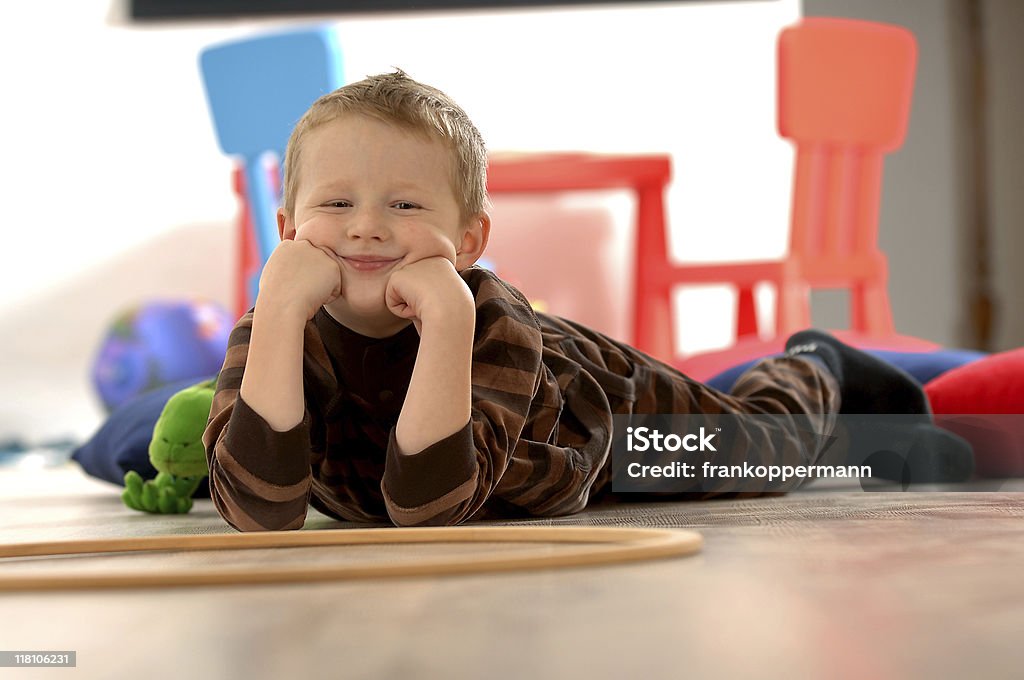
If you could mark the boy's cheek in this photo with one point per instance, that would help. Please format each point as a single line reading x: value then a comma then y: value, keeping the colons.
x: 312, y: 228
x: 433, y: 245
x: 445, y: 248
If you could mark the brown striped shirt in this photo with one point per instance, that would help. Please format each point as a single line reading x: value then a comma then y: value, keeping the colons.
x: 543, y: 394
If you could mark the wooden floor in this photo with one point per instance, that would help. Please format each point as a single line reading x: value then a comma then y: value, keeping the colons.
x: 828, y: 583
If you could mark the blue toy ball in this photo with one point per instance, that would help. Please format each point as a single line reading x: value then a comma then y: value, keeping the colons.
x: 159, y: 343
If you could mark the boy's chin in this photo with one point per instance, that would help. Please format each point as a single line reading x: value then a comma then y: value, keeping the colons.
x: 361, y: 315
x: 364, y: 305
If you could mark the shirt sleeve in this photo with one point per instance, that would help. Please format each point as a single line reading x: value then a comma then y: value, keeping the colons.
x: 260, y: 479
x: 565, y: 445
x: 449, y: 481
x: 538, y: 436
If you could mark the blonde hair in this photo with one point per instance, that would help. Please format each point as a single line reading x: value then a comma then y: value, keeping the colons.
x: 397, y: 99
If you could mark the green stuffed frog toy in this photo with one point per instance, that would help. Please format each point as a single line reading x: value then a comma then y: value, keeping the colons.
x: 177, y: 453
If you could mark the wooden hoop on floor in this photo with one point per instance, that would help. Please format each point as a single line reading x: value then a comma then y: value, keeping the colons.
x: 617, y: 544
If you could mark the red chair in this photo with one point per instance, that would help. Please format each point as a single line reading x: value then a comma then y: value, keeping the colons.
x: 645, y: 175
x: 844, y: 93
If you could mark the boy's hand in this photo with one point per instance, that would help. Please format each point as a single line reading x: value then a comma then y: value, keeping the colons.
x: 300, y: 277
x: 428, y: 289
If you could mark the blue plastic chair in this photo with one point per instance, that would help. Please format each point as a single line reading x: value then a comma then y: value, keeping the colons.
x: 257, y: 89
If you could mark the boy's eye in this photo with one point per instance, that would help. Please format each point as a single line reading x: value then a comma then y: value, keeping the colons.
x: 405, y: 205
x: 338, y: 204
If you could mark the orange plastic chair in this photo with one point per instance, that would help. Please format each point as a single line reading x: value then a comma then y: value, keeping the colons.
x: 844, y: 94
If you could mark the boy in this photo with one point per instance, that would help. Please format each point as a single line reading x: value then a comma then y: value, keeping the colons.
x: 381, y: 376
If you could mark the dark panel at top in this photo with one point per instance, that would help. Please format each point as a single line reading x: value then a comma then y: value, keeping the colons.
x: 195, y: 9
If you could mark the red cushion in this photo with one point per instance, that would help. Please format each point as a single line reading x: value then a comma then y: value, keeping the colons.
x: 991, y: 387
x: 994, y: 384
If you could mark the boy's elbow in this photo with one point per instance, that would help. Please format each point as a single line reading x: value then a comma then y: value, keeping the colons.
x: 249, y: 526
x: 560, y: 507
x: 268, y: 518
x: 245, y: 524
x: 448, y: 518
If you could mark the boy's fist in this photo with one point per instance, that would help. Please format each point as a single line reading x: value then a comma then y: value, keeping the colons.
x: 427, y: 288
x: 299, y: 277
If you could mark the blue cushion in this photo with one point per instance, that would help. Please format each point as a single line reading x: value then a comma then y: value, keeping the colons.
x: 922, y: 366
x: 122, y: 442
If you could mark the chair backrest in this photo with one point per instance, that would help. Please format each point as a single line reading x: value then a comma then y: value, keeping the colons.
x: 257, y: 89
x: 844, y: 94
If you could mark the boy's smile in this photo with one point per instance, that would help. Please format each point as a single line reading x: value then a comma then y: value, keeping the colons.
x: 368, y: 263
x: 379, y: 198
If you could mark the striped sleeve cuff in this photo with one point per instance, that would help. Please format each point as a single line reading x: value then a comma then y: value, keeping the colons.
x: 445, y: 471
x: 281, y: 458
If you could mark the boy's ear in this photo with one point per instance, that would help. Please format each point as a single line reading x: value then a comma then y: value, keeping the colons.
x: 474, y: 241
x: 285, y: 226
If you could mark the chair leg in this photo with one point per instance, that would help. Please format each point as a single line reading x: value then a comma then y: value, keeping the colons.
x: 746, y: 313
x: 793, y: 308
x: 244, y: 295
x: 870, y: 310
x: 653, y: 333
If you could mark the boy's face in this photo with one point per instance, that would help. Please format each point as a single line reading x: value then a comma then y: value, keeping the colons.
x: 380, y: 198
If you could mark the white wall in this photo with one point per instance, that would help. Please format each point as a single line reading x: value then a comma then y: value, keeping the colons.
x: 114, y: 190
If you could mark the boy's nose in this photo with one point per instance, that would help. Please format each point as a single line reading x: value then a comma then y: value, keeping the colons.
x: 367, y: 225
